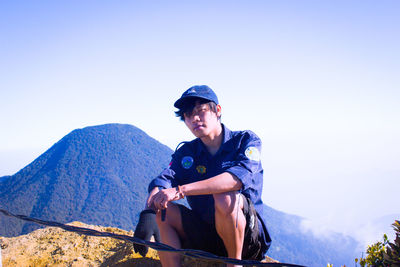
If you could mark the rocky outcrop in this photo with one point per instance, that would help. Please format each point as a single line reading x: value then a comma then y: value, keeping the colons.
x: 55, y: 247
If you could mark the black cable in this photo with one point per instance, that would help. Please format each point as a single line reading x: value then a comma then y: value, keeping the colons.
x: 154, y: 245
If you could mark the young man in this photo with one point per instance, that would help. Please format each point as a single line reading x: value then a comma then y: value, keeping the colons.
x: 221, y: 176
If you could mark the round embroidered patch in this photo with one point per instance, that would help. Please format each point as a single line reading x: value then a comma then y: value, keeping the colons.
x: 187, y: 162
x: 201, y: 169
x: 252, y: 153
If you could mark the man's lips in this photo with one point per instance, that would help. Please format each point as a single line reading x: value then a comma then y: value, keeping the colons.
x: 197, y: 127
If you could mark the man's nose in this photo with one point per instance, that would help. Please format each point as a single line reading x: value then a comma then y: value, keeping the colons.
x: 195, y: 117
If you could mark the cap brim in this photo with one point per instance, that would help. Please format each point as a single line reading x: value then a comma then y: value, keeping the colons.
x: 181, y: 101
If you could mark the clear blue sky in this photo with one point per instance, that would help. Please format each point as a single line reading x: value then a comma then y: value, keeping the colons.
x: 318, y: 81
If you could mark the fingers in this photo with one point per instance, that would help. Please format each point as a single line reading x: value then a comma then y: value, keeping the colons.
x: 161, y: 204
x: 149, y: 202
x: 164, y: 205
x: 161, y: 199
x: 150, y: 199
x: 154, y: 202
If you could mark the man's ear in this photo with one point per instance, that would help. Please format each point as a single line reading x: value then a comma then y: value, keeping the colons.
x: 219, y: 110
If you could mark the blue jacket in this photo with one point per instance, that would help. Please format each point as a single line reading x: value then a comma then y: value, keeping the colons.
x: 239, y: 155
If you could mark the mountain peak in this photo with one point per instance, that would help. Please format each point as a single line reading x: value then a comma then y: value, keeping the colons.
x: 97, y: 174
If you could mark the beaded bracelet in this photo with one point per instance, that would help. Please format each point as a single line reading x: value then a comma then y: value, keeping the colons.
x: 179, y: 192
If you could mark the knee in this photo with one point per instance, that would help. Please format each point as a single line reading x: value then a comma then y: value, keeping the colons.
x: 226, y: 203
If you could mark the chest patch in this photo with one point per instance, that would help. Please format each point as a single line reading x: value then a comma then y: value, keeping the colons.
x: 187, y: 162
x: 252, y: 153
x: 201, y: 169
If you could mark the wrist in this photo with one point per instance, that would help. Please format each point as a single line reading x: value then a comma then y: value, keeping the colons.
x: 179, y: 192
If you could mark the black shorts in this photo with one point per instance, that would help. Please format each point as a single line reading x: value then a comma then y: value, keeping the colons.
x: 203, y: 236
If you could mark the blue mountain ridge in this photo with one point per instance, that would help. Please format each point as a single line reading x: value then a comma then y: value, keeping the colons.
x: 99, y: 175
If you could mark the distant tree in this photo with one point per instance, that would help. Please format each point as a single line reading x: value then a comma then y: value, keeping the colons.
x: 374, y: 254
x: 382, y: 254
x: 392, y: 254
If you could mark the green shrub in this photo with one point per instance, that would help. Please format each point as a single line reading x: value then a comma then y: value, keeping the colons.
x: 392, y: 254
x: 382, y: 254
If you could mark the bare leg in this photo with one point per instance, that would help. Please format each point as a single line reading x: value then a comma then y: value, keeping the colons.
x: 170, y: 230
x: 226, y: 216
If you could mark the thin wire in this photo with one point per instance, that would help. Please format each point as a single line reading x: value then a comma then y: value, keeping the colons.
x: 155, y: 245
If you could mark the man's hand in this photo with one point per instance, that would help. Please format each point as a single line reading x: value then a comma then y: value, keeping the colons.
x: 146, y: 228
x: 160, y: 200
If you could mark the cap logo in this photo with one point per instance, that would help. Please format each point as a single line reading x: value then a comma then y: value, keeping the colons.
x: 192, y: 91
x: 252, y: 153
x: 187, y: 162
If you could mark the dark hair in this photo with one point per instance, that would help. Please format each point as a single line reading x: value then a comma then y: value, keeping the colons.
x: 189, y: 105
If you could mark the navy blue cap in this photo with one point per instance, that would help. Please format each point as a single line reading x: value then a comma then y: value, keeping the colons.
x: 197, y: 91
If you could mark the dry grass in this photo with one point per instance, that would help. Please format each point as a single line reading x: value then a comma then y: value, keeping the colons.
x: 55, y: 247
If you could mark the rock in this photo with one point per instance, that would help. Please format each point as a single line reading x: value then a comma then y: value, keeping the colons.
x: 55, y: 247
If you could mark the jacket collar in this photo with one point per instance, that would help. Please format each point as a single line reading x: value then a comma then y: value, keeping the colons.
x: 225, y: 145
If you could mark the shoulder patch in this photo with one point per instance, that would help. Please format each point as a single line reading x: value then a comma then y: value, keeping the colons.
x: 252, y: 153
x: 187, y: 162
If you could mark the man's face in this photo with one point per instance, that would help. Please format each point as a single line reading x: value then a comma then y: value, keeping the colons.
x: 202, y: 121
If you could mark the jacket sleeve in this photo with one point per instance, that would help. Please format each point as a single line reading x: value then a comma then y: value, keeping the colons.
x: 247, y: 165
x: 168, y: 177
